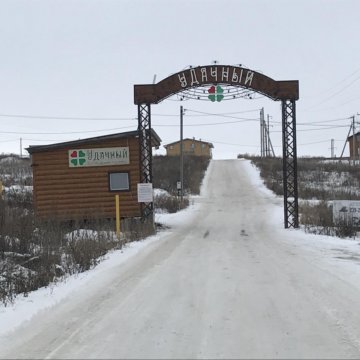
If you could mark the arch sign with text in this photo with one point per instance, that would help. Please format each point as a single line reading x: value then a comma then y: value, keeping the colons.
x: 215, y: 83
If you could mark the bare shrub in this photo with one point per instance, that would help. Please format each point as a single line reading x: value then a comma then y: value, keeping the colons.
x: 317, y: 218
x: 19, y: 198
x: 169, y: 203
x: 2, y: 215
x: 166, y: 171
x: 38, y: 253
x: 271, y: 172
x: 345, y: 228
x: 15, y: 170
x: 85, y: 248
x: 317, y: 180
x: 137, y: 228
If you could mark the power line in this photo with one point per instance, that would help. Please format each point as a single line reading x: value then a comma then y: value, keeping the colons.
x: 333, y: 95
x: 339, y: 82
x: 232, y: 144
x: 322, y: 128
x: 203, y: 124
x: 321, y: 125
x: 225, y: 143
x: 341, y: 90
x: 313, y: 122
x: 64, y: 117
x: 315, y: 142
x: 348, y: 101
x: 52, y: 117
x: 324, y: 121
x: 326, y: 128
x: 223, y: 115
x: 63, y: 133
x: 207, y: 114
x: 4, y: 141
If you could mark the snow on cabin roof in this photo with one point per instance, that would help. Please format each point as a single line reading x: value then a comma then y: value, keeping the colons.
x: 156, y: 141
x: 194, y: 140
x: 357, y: 136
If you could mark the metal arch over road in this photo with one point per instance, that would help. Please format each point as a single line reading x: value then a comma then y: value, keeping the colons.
x: 235, y: 78
x: 213, y: 75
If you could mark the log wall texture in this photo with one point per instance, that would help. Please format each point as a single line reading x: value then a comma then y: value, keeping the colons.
x: 67, y: 193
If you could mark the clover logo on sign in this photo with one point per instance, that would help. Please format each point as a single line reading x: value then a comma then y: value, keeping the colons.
x: 77, y: 158
x: 216, y: 93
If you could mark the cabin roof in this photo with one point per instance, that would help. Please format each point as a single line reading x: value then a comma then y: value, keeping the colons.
x: 193, y: 140
x: 156, y: 141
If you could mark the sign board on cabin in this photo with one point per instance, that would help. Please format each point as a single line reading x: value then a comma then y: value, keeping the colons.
x: 346, y: 210
x: 99, y: 157
x: 145, y: 192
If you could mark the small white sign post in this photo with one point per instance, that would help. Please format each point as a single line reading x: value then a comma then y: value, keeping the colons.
x: 145, y: 192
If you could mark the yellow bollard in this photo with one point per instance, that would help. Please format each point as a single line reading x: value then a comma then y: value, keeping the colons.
x: 117, y: 209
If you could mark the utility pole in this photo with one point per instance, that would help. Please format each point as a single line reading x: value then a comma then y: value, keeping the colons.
x: 268, y: 144
x: 270, y: 147
x: 181, y: 156
x: 266, y: 148
x: 20, y: 147
x: 353, y: 142
x: 266, y: 152
x: 342, y: 152
x: 332, y: 148
x: 262, y: 120
x: 265, y: 141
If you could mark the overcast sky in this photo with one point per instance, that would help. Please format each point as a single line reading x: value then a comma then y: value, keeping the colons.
x: 79, y: 59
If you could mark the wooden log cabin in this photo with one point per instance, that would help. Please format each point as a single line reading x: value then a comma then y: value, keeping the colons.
x: 190, y: 147
x: 78, y: 180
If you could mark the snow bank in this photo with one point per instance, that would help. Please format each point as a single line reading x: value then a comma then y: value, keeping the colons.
x: 19, y: 189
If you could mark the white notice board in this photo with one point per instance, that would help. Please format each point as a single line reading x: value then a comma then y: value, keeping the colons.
x: 347, y: 210
x: 145, y: 192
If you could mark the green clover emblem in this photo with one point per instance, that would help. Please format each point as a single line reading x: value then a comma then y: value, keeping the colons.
x: 216, y: 93
x: 78, y: 158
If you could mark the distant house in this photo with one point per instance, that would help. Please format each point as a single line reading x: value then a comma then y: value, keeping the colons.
x: 354, y: 145
x: 190, y: 147
x: 79, y: 179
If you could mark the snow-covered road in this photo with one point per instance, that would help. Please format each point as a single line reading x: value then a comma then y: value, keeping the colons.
x: 228, y: 283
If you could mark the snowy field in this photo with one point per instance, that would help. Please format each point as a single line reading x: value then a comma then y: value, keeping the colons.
x: 342, y: 255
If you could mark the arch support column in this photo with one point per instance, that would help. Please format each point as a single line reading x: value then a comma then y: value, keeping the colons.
x: 290, y: 184
x: 144, y: 129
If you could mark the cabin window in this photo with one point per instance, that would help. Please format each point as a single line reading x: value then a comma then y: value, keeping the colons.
x: 119, y: 181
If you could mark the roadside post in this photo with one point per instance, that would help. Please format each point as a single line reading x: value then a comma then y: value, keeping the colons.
x: 178, y: 187
x: 117, y: 210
